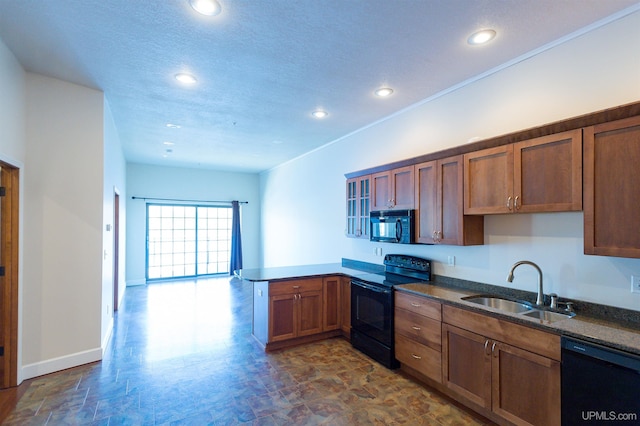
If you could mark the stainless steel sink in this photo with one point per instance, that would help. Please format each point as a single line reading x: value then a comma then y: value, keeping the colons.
x: 518, y: 307
x: 548, y: 316
x: 496, y: 302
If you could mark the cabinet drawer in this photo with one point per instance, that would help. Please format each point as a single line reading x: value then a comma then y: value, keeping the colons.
x: 419, y: 328
x: 531, y: 339
x: 419, y: 357
x: 418, y: 305
x: 295, y: 286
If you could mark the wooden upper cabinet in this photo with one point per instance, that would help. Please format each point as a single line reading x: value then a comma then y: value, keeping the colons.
x: 611, y: 188
x: 439, y: 197
x: 393, y: 189
x: 537, y: 175
x: 358, y: 207
x: 548, y: 173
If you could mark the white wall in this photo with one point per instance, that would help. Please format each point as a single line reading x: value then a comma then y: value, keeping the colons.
x: 13, y: 151
x: 193, y: 184
x: 115, y: 170
x: 594, y: 71
x: 63, y: 222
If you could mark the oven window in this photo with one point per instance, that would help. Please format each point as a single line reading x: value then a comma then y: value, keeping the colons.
x: 371, y: 312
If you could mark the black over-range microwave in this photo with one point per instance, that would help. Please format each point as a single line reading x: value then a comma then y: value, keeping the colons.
x: 393, y: 226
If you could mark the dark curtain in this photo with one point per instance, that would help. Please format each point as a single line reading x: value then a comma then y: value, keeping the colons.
x: 236, y: 240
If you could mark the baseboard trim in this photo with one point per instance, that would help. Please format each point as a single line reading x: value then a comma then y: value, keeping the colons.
x: 107, y: 336
x: 131, y: 283
x: 61, y: 363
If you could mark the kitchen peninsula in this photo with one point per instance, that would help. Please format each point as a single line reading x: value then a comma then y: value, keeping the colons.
x: 299, y: 304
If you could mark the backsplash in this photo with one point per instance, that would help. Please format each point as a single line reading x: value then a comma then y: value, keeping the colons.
x: 624, y: 317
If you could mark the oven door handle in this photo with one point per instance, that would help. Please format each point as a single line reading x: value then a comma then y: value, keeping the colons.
x: 370, y: 287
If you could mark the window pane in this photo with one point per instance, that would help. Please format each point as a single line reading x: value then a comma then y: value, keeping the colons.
x: 174, y: 233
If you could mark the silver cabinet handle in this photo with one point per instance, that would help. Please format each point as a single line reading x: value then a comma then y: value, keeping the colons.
x: 296, y: 286
x: 416, y: 356
x: 509, y: 202
x: 515, y: 203
x: 416, y: 328
x: 493, y: 349
x: 486, y: 345
x: 415, y: 305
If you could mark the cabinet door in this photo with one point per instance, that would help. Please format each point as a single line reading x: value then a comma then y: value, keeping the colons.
x: 488, y: 181
x: 426, y: 202
x: 402, y: 182
x: 439, y: 199
x: 548, y: 173
x: 381, y: 191
x: 611, y: 182
x: 352, y: 208
x: 393, y: 189
x: 346, y: 306
x: 364, y: 195
x: 525, y: 386
x: 466, y: 364
x: 282, y: 317
x: 454, y: 227
x: 332, y: 293
x: 358, y: 195
x: 308, y: 313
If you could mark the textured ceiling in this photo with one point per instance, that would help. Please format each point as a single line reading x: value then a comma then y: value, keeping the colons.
x: 264, y: 65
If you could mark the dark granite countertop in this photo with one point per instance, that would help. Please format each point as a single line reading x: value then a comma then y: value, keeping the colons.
x: 303, y: 271
x: 623, y: 337
x: 588, y: 324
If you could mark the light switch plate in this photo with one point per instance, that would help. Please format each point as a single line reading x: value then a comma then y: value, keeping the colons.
x: 635, y: 283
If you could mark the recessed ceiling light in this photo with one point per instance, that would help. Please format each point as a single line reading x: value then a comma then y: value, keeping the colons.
x: 319, y: 113
x: 186, y: 78
x: 481, y: 37
x: 383, y: 92
x: 173, y: 126
x: 206, y: 7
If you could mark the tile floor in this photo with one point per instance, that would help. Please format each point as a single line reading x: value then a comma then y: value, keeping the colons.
x: 182, y: 354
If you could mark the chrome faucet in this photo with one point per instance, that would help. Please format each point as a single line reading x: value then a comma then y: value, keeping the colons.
x: 540, y: 299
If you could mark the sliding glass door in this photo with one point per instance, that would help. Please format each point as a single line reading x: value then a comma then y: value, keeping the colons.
x: 187, y: 240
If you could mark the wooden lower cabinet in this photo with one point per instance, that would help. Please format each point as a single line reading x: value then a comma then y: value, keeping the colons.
x: 519, y: 386
x: 345, y: 302
x: 418, y: 334
x: 295, y: 309
x: 331, y: 295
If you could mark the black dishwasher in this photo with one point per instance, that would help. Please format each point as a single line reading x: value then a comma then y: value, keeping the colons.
x: 600, y: 385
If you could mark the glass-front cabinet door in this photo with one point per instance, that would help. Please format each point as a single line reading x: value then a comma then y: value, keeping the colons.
x: 358, y: 207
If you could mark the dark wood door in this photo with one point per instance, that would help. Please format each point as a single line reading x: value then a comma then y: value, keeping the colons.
x: 548, y: 173
x: 535, y: 400
x: 467, y: 364
x: 332, y: 294
x: 282, y: 317
x: 309, y: 313
x: 9, y: 250
x: 426, y: 202
x: 611, y: 186
x: 402, y: 194
x: 345, y: 322
x: 381, y: 191
x: 488, y: 181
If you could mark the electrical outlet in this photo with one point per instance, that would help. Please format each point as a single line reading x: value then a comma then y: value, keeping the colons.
x: 635, y: 283
x: 451, y: 260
